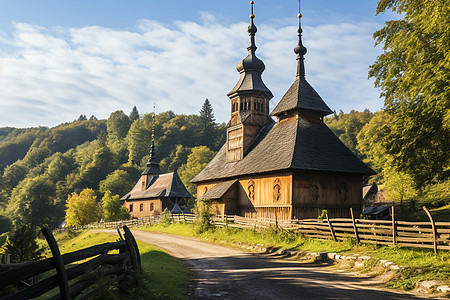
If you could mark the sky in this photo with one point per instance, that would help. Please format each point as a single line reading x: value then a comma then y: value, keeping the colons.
x: 63, y: 58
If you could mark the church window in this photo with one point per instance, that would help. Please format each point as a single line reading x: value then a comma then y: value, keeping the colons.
x: 141, y: 207
x: 314, y: 191
x: 242, y: 105
x: 131, y: 207
x: 343, y: 192
x: 152, y: 207
x: 251, y: 190
x: 143, y: 184
x: 276, y: 190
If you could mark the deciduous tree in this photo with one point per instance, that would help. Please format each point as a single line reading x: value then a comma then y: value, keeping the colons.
x: 113, y: 209
x: 82, y: 208
x: 198, y: 159
x: 414, y: 76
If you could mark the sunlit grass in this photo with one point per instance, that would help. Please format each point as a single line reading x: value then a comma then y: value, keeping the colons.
x: 163, y: 276
x: 432, y: 267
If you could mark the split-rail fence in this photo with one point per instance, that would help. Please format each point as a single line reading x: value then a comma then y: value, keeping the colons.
x: 24, y: 279
x: 434, y: 235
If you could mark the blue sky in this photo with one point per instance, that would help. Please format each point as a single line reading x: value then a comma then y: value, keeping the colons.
x: 60, y: 59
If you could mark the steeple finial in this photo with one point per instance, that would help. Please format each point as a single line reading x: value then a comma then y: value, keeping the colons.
x: 252, y: 30
x: 300, y: 50
x: 152, y: 148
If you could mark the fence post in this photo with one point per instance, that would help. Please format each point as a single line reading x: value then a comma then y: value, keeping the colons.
x: 226, y: 221
x: 59, y: 264
x: 354, y: 225
x: 331, y: 228
x: 394, y: 232
x: 433, y: 227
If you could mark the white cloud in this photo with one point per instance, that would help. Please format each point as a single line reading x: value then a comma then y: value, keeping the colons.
x: 51, y: 75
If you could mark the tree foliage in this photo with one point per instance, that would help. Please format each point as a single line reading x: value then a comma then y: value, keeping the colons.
x: 22, y: 245
x: 82, y: 208
x: 91, y: 154
x: 198, y: 159
x: 118, y: 182
x: 134, y: 114
x: 113, y: 209
x: 414, y: 76
x: 33, y: 202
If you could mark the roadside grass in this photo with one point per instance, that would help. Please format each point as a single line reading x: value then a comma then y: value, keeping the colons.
x: 419, y: 264
x: 163, y: 276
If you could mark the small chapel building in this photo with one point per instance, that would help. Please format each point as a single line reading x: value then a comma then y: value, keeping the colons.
x: 289, y: 169
x: 154, y: 192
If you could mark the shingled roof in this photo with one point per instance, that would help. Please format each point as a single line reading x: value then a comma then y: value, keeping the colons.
x: 294, y: 143
x: 301, y: 95
x: 217, y: 191
x: 164, y: 185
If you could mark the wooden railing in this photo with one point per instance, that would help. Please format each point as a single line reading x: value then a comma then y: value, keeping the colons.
x: 24, y: 278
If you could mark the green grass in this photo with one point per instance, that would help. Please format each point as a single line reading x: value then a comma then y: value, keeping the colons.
x: 434, y: 267
x: 163, y: 276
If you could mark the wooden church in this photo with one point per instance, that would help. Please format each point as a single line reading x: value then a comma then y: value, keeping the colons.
x: 154, y: 192
x: 289, y: 169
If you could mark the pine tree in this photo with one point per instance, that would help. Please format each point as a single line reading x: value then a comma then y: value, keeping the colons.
x: 206, y: 112
x: 82, y: 118
x: 134, y: 114
x: 22, y: 244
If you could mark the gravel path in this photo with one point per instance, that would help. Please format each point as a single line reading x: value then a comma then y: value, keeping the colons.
x: 225, y: 273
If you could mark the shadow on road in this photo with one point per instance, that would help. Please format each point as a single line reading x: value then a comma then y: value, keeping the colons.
x: 255, y: 277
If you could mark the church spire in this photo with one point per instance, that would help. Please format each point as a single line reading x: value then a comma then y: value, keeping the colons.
x: 252, y: 30
x: 152, y: 165
x: 300, y: 50
x: 251, y: 67
x: 301, y: 96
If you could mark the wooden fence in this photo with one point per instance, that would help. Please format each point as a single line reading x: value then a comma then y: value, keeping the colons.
x: 24, y: 279
x: 434, y: 235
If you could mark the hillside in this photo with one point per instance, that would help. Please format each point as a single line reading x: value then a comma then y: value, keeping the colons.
x: 41, y: 167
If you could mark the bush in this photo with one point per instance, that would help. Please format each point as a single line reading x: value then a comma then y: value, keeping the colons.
x: 166, y: 216
x: 203, y: 210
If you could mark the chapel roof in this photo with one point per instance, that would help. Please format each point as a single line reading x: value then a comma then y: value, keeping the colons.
x: 160, y: 185
x: 301, y: 95
x: 217, y: 191
x: 292, y: 144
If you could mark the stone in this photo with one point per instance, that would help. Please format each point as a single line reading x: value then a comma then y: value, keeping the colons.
x: 428, y: 285
x: 419, y: 271
x: 359, y: 264
x: 331, y: 255
x: 394, y: 267
x: 443, y: 289
x: 281, y: 251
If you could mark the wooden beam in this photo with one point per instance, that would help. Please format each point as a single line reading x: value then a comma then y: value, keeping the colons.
x: 433, y: 227
x: 59, y: 264
x: 331, y: 228
x: 354, y: 225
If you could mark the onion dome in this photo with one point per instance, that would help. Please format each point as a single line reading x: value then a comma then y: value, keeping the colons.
x: 251, y: 67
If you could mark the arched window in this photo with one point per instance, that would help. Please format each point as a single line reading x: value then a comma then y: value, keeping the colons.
x: 141, y: 207
x: 131, y: 207
x: 251, y: 190
x: 276, y: 190
x: 151, y: 206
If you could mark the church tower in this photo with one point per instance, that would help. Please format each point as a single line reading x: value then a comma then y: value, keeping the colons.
x: 249, y: 101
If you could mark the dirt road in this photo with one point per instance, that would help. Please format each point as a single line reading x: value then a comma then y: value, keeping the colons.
x: 225, y: 273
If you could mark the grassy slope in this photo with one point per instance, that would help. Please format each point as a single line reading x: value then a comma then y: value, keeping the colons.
x: 164, y: 277
x: 433, y: 267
